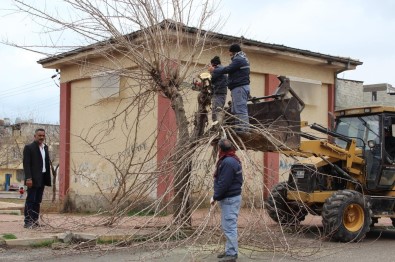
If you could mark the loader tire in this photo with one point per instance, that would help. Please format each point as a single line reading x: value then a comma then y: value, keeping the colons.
x: 346, y: 216
x: 281, y: 211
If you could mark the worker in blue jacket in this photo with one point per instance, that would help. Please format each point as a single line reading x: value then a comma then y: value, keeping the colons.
x: 228, y: 180
x: 238, y: 83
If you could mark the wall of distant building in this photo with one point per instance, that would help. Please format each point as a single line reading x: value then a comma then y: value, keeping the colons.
x: 351, y: 93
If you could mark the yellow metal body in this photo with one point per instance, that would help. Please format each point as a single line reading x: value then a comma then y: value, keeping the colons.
x: 320, y: 152
x: 309, y: 198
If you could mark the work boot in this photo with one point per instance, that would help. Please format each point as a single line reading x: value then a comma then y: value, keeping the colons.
x: 223, y: 254
x: 37, y: 224
x: 30, y: 226
x: 228, y: 258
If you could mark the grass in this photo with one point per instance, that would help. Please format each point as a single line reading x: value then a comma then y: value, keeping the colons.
x: 46, y: 243
x: 9, y: 236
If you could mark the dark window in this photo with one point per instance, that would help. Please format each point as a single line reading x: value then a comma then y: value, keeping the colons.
x: 374, y: 96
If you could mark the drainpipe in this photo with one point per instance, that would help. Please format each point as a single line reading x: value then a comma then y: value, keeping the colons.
x: 338, y: 72
x: 335, y: 87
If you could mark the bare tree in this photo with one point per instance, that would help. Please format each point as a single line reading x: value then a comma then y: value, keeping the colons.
x: 162, y: 52
x: 158, y: 65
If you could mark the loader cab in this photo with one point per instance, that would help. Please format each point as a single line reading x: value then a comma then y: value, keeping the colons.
x: 387, y: 178
x: 375, y: 135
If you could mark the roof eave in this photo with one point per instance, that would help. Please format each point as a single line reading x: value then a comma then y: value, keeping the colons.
x: 305, y: 55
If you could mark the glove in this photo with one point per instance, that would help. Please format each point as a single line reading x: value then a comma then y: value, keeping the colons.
x: 212, y: 201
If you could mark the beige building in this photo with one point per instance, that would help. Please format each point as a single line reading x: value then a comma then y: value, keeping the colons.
x: 84, y: 106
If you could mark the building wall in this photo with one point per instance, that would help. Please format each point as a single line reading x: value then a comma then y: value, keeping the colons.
x: 91, y: 174
x: 350, y: 93
x: 118, y: 152
x: 14, y: 180
x: 383, y: 98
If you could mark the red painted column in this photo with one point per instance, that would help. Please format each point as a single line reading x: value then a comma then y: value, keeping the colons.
x: 166, y: 141
x: 64, y: 134
x: 331, y: 100
x: 271, y: 161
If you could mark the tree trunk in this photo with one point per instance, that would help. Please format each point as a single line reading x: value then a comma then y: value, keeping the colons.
x: 183, y: 156
x: 181, y: 202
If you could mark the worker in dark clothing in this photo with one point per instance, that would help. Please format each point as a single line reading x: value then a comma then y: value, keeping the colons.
x: 239, y: 84
x: 219, y: 83
x: 228, y: 180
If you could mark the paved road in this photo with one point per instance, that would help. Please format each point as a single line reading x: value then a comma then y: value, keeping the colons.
x: 378, y: 246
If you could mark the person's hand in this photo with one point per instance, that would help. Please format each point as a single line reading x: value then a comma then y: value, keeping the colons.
x: 212, y: 201
x: 210, y: 68
x: 29, y: 183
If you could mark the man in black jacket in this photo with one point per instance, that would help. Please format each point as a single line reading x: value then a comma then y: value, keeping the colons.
x: 219, y: 83
x: 239, y: 85
x: 37, y: 175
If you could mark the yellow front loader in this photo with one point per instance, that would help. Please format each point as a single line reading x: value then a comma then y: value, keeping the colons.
x: 347, y: 178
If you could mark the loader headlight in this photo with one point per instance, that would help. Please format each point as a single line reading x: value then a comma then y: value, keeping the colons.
x: 371, y: 144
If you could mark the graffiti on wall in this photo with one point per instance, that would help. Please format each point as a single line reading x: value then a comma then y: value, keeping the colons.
x: 285, y: 166
x: 136, y: 148
x: 94, y: 173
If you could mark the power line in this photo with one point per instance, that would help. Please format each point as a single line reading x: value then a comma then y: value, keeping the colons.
x: 28, y: 89
x: 27, y: 84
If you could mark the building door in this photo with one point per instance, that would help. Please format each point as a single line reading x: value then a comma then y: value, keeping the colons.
x: 7, y: 181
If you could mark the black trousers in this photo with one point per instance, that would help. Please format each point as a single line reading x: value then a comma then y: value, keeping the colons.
x: 32, y: 204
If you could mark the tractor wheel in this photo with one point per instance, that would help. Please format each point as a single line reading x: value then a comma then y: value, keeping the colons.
x: 281, y: 211
x: 346, y: 216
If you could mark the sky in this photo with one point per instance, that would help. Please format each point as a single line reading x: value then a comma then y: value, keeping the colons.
x: 363, y: 30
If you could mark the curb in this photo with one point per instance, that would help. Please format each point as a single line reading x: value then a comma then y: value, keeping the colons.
x: 61, y: 238
x: 29, y: 241
x: 5, y: 207
x: 66, y: 238
x: 11, y: 211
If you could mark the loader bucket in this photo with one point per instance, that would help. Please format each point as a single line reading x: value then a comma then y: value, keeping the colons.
x: 277, y: 125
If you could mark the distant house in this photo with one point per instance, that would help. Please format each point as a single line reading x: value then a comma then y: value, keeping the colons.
x: 13, y: 138
x: 351, y: 93
x: 313, y: 77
